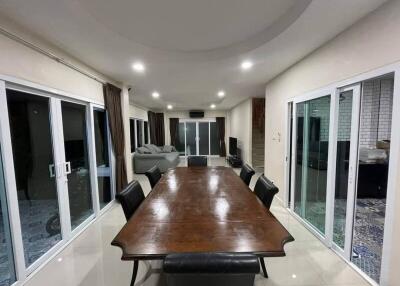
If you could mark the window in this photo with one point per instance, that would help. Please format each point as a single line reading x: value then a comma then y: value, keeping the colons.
x: 139, y: 133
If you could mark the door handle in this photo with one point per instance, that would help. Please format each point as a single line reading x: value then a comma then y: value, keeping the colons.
x: 68, y: 168
x: 52, y: 171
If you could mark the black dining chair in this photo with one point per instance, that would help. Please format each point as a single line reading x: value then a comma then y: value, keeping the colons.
x: 265, y: 190
x: 246, y: 173
x: 154, y: 175
x: 197, y: 161
x: 131, y: 198
x: 211, y: 269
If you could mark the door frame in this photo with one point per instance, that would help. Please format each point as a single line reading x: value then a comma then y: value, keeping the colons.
x: 394, y: 163
x: 353, y: 164
x: 92, y: 155
x: 197, y: 122
x: 22, y: 272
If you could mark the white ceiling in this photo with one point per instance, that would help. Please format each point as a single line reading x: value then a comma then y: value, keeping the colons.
x: 191, y: 48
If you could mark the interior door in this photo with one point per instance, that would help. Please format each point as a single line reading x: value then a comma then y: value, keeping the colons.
x: 77, y: 165
x: 348, y: 103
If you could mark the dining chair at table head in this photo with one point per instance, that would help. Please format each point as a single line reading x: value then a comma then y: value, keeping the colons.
x: 265, y: 190
x: 198, y: 269
x: 246, y: 173
x: 130, y: 198
x: 197, y: 161
x: 154, y: 175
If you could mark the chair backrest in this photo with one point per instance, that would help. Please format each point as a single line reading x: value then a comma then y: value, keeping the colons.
x: 197, y: 161
x: 246, y: 173
x: 265, y: 191
x: 130, y: 198
x: 154, y: 175
x: 211, y: 269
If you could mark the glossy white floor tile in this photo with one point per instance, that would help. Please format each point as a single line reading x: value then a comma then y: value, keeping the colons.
x: 90, y: 260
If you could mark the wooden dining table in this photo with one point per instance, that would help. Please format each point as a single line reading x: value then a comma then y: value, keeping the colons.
x: 201, y: 209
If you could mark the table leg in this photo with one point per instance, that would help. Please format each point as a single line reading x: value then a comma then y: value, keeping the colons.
x: 134, y: 273
x: 263, y: 267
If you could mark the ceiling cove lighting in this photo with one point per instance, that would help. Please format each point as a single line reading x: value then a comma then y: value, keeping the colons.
x: 246, y: 65
x: 221, y: 93
x: 138, y: 67
x: 169, y: 106
x: 155, y: 94
x: 212, y: 106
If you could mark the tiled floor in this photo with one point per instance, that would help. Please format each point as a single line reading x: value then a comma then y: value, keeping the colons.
x: 90, y: 260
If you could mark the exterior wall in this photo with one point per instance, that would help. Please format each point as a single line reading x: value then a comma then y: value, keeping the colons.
x: 369, y: 44
x: 376, y: 113
x: 240, y: 126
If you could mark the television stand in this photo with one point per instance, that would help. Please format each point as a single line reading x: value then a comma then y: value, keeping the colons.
x: 234, y: 161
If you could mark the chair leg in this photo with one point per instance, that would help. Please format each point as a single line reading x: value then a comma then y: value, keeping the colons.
x: 263, y: 267
x: 134, y: 273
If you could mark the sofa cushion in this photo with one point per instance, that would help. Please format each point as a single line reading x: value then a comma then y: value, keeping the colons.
x: 153, y: 148
x: 168, y: 149
x: 143, y: 150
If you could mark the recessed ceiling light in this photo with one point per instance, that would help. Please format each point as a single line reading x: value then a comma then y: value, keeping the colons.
x: 246, y: 65
x: 169, y: 106
x: 221, y: 93
x: 138, y: 67
x: 155, y: 94
x: 212, y: 106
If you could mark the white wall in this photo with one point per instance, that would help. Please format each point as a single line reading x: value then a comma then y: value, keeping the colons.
x: 369, y: 44
x: 138, y: 112
x: 19, y: 61
x: 240, y: 126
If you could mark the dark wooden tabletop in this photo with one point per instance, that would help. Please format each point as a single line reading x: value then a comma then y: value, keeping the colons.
x: 201, y: 209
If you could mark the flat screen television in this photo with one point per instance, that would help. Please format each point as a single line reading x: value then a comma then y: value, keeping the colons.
x: 232, y: 146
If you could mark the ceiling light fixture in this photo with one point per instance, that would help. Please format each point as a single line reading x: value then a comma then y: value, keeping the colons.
x: 212, y: 106
x: 139, y: 67
x: 169, y: 106
x: 221, y: 93
x: 155, y: 94
x: 246, y: 65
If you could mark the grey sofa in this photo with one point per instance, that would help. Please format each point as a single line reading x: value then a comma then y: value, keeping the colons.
x: 150, y: 155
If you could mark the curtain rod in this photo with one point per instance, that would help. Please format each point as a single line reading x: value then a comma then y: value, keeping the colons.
x: 49, y: 54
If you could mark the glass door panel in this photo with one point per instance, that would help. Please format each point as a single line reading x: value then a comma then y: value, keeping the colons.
x: 214, y: 141
x: 7, y: 272
x: 204, y: 146
x: 139, y: 130
x: 312, y: 161
x: 77, y: 162
x: 102, y: 157
x: 342, y: 167
x: 191, y: 142
x: 31, y: 138
x: 180, y: 144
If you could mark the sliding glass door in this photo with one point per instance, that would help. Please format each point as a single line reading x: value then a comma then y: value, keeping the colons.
x: 198, y: 138
x: 55, y: 158
x: 343, y: 200
x: 103, y: 157
x: 312, y: 160
x: 347, y: 118
x: 77, y: 162
x: 35, y: 172
x: 191, y: 138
